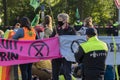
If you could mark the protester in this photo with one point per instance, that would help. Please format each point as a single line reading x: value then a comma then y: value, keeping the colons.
x: 13, y: 69
x: 13, y: 30
x: 92, y: 54
x: 44, y: 30
x: 10, y: 32
x: 16, y: 27
x: 25, y: 33
x: 43, y: 69
x: 48, y: 28
x: 63, y: 28
x: 87, y: 24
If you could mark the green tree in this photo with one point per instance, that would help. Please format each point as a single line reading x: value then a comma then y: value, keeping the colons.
x: 100, y: 10
x: 21, y: 8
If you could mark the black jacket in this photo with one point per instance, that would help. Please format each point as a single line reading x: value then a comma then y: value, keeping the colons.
x: 67, y: 31
x: 92, y: 54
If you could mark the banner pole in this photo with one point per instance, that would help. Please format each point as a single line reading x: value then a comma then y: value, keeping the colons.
x: 115, y: 51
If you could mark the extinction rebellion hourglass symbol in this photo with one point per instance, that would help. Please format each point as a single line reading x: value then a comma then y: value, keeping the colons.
x: 41, y: 49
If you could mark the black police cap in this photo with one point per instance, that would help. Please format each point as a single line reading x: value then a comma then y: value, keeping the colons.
x: 91, y: 31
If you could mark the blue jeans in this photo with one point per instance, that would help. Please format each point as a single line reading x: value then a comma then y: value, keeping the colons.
x: 26, y: 71
x: 109, y: 73
x: 61, y: 64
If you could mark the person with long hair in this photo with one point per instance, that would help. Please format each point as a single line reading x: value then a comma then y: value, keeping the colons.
x: 47, y: 23
x: 26, y: 32
x: 43, y: 69
x: 44, y: 30
x: 48, y: 28
x: 87, y: 24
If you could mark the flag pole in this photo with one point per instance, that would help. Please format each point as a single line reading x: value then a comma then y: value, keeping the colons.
x: 52, y: 16
x: 115, y: 53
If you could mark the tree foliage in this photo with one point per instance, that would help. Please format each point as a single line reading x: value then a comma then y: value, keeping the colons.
x: 100, y: 10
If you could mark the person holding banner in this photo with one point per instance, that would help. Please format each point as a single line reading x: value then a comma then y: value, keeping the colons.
x: 13, y: 69
x: 63, y: 28
x: 44, y: 30
x: 26, y: 32
x: 43, y: 69
x: 48, y: 28
x: 93, y: 55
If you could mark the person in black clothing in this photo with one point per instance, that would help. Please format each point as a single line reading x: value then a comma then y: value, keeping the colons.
x: 92, y: 54
x: 115, y: 29
x: 63, y: 28
x: 78, y: 24
x: 109, y: 28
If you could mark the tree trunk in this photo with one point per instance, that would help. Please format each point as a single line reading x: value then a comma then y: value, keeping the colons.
x: 5, y: 12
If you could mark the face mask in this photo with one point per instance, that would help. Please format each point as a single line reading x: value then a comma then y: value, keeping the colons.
x: 78, y: 21
x: 60, y: 23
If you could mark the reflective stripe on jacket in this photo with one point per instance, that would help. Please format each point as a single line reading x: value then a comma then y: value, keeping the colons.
x: 94, y: 44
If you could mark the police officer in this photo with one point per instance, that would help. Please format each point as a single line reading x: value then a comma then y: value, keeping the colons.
x: 92, y: 54
x: 78, y: 24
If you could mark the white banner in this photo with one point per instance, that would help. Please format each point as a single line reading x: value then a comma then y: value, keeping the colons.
x: 68, y: 46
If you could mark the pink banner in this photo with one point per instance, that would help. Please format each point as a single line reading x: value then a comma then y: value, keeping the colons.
x: 19, y: 52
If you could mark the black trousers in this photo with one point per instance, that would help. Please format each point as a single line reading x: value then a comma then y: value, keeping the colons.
x: 26, y: 71
x: 61, y: 66
x: 15, y: 72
